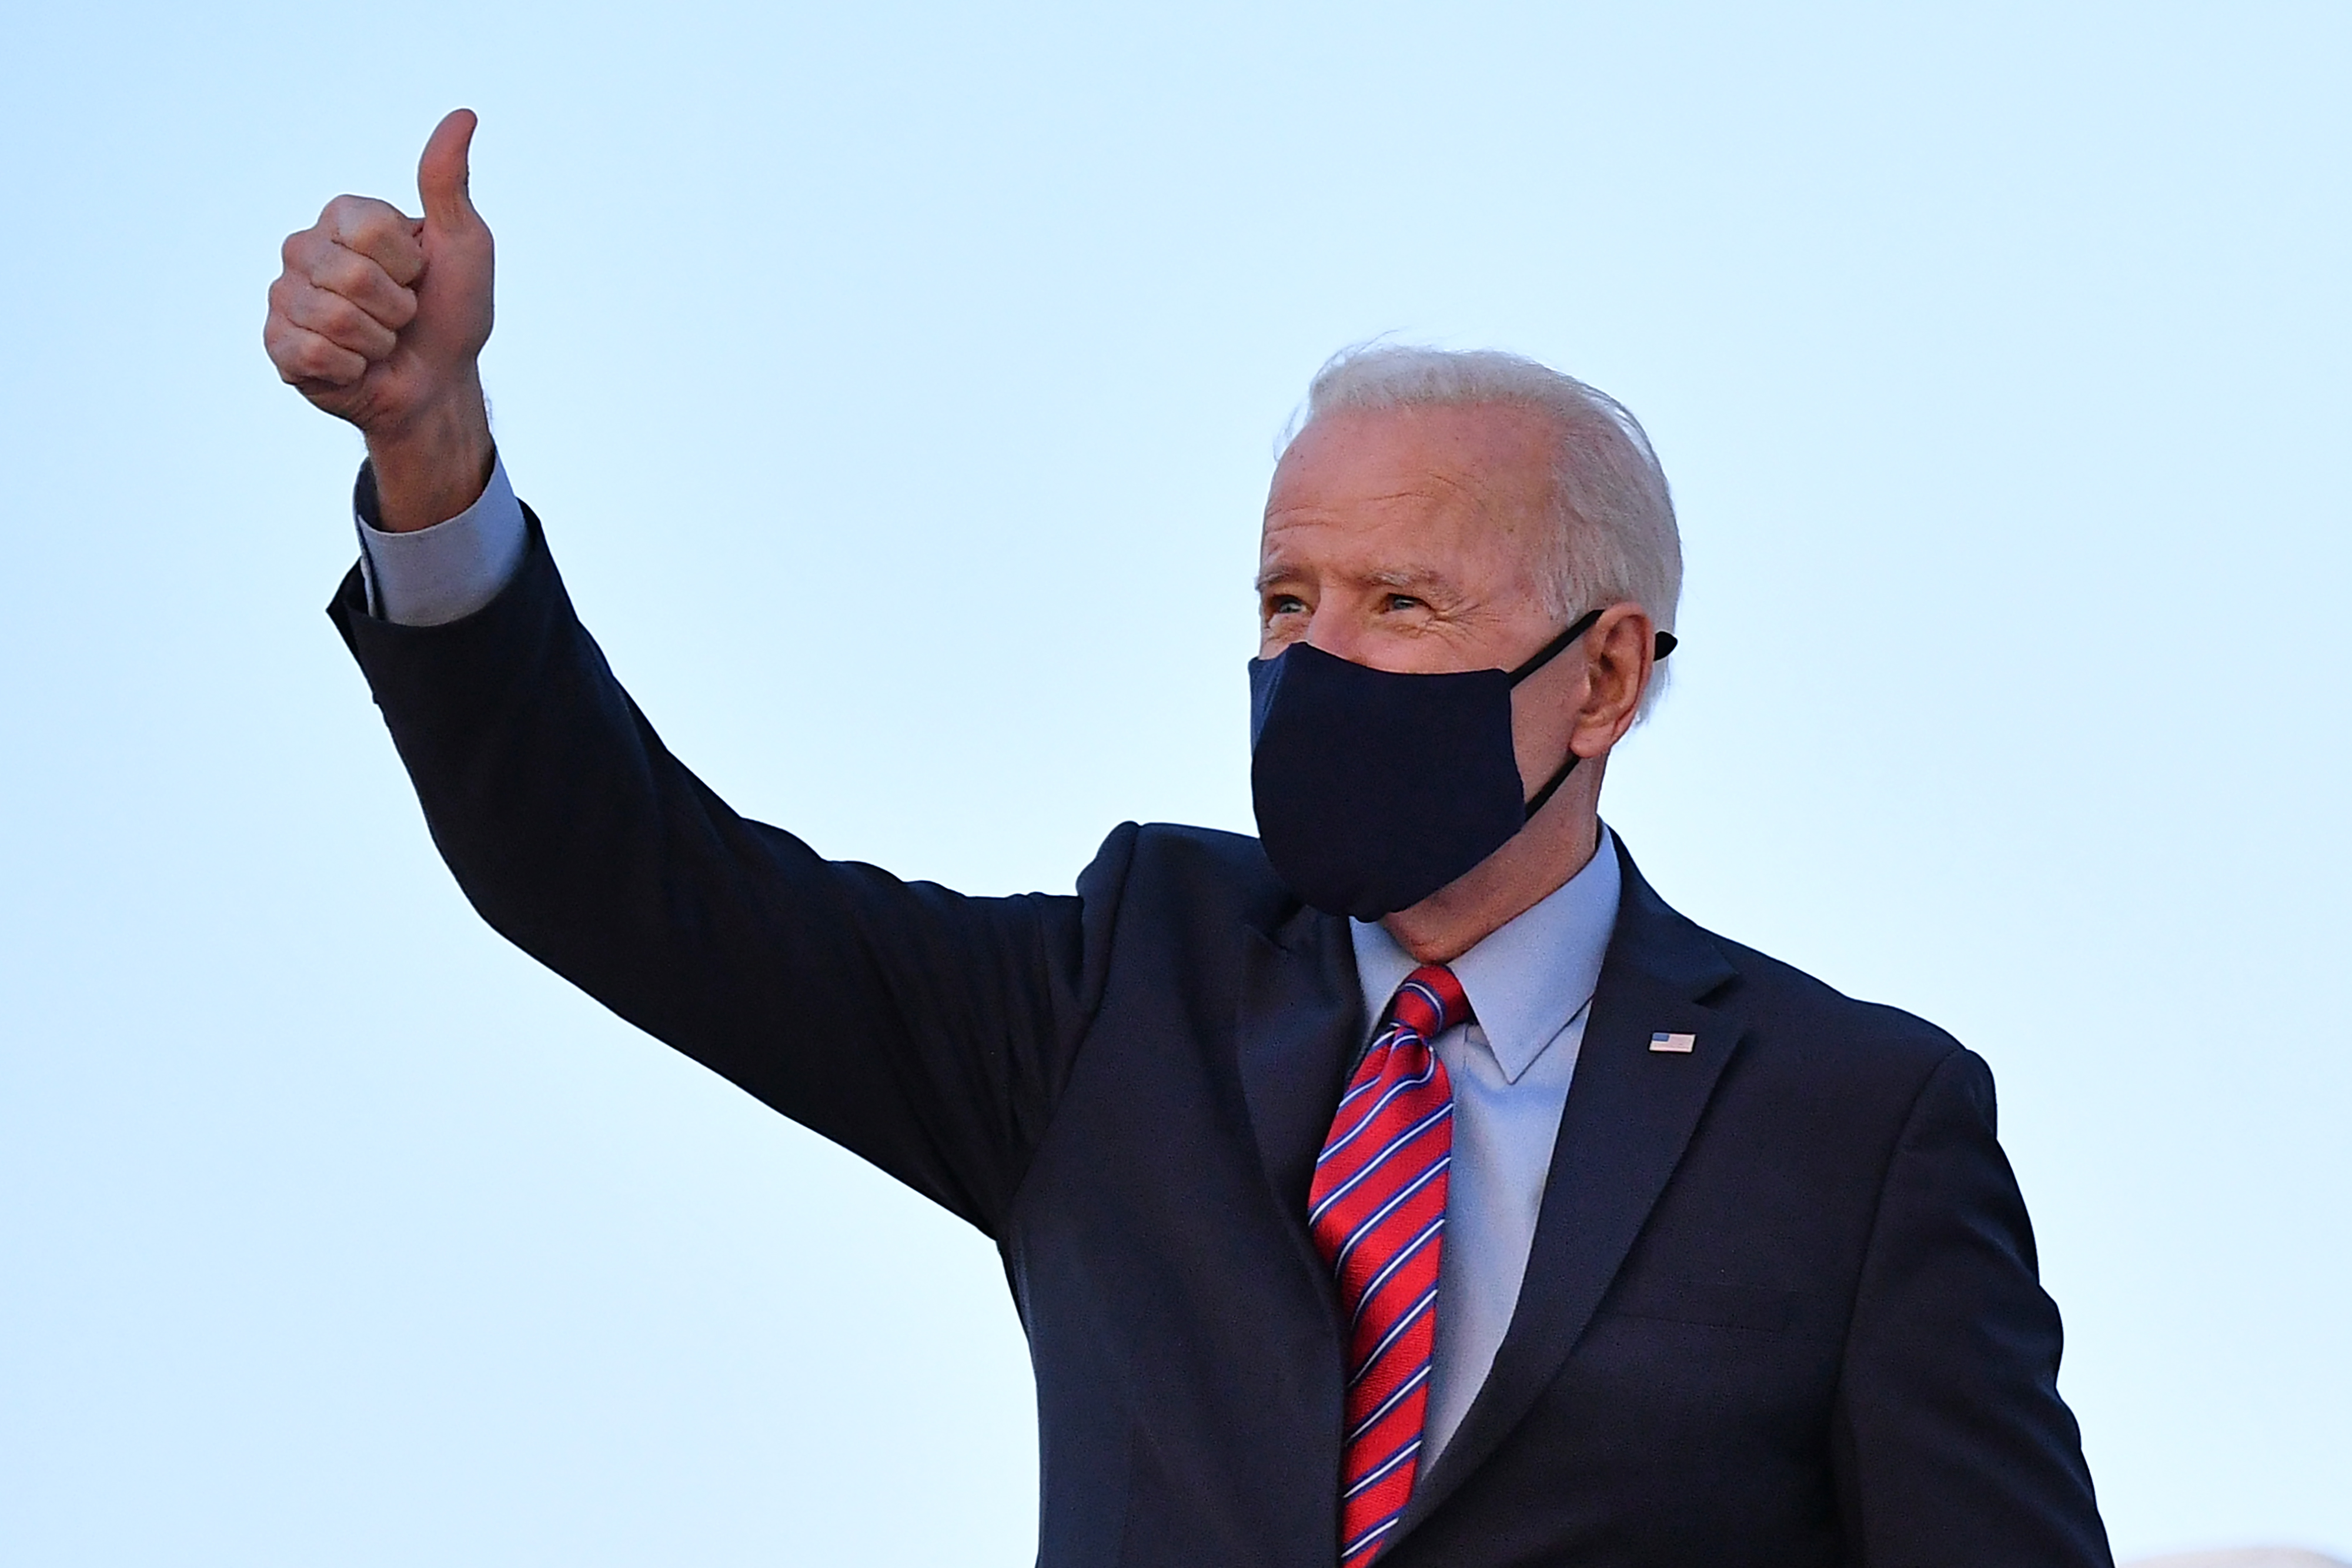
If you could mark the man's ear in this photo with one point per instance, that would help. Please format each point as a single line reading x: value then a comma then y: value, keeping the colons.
x: 1618, y: 654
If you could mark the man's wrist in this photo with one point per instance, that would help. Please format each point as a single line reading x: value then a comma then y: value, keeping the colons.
x: 435, y: 466
x: 430, y: 577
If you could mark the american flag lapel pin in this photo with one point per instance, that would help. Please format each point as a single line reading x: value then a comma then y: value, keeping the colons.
x: 1679, y: 1043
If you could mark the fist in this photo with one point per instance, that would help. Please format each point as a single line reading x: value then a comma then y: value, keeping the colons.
x: 378, y: 317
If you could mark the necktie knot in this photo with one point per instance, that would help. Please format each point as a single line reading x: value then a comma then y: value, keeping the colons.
x: 1430, y: 1002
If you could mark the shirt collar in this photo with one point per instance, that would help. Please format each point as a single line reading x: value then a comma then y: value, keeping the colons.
x: 1528, y: 979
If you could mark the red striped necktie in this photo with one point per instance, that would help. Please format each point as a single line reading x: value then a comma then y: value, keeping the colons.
x: 1377, y: 1209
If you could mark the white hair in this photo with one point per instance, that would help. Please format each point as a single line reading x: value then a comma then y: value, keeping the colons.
x: 1616, y: 534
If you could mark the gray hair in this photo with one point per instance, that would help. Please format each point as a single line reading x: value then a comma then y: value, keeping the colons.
x: 1617, y: 538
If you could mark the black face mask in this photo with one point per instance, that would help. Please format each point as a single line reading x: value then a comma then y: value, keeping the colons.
x: 1376, y: 788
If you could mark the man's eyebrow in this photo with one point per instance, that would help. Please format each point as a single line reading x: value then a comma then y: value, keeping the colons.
x: 1414, y: 580
x: 1410, y: 578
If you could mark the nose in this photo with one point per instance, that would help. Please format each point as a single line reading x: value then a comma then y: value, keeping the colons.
x: 1339, y: 635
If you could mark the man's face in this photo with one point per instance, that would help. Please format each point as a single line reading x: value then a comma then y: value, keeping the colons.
x: 1411, y: 540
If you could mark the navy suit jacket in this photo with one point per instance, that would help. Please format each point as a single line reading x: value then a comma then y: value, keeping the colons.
x: 1782, y: 1306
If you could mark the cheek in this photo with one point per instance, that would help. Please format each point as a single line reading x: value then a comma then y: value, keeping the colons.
x: 1279, y: 626
x: 1542, y: 728
x: 1274, y: 636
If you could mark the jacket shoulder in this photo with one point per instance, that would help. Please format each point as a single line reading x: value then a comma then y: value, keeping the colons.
x: 1778, y: 1002
x: 1204, y: 869
x: 1841, y: 1036
x: 1159, y: 893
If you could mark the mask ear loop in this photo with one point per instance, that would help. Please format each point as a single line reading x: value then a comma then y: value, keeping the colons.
x: 1552, y: 650
x: 1557, y: 647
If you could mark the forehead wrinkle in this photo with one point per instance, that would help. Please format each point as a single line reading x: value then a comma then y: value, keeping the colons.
x: 1279, y: 514
x: 1466, y: 485
x: 1283, y: 519
x: 1437, y: 489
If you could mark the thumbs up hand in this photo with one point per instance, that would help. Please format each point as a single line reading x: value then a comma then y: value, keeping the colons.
x: 379, y: 318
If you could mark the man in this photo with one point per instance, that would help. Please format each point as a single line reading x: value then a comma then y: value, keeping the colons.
x: 1410, y: 1184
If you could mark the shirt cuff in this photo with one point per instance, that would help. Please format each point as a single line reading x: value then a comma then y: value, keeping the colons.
x: 433, y: 576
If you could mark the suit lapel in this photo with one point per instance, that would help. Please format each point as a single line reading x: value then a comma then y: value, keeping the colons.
x: 1301, y: 1016
x: 1629, y: 1115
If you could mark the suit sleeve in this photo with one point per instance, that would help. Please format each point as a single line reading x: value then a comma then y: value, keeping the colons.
x: 1952, y: 1445
x: 927, y: 1032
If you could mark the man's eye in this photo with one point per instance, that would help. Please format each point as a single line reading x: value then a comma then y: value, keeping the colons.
x: 1403, y: 602
x: 1285, y: 604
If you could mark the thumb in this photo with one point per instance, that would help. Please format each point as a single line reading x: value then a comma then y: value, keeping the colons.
x: 441, y: 173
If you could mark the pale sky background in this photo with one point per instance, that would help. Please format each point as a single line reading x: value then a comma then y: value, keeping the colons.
x: 899, y: 384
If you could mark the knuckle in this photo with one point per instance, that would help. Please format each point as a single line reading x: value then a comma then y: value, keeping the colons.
x: 357, y: 330
x: 320, y: 360
x: 338, y: 319
x: 303, y: 249
x: 339, y: 271
x: 364, y: 221
x: 302, y: 305
x: 402, y: 257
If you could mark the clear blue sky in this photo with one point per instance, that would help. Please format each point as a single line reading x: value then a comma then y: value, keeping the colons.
x: 899, y: 385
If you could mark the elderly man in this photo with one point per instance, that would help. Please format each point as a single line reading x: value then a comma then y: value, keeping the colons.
x: 1409, y: 1183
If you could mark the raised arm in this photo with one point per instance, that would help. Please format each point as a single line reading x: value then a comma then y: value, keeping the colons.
x: 927, y: 1032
